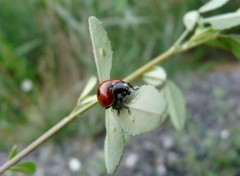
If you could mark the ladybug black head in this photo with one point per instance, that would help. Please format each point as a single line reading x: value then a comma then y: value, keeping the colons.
x: 125, y: 91
x: 120, y: 90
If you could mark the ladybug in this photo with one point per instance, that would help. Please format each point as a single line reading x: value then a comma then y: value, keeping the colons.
x: 112, y: 92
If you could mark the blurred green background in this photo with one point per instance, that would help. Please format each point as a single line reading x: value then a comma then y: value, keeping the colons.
x: 46, y: 57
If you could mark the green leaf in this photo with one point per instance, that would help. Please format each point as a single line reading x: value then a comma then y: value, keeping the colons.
x: 147, y: 107
x: 88, y: 88
x: 175, y: 104
x: 114, y: 143
x: 202, y: 34
x: 212, y: 5
x: 25, y: 168
x: 85, y: 98
x: 228, y: 42
x: 234, y: 46
x: 101, y: 49
x: 88, y: 100
x: 224, y: 21
x: 165, y: 115
x: 190, y: 19
x: 235, y: 37
x: 13, y: 152
x: 156, y: 76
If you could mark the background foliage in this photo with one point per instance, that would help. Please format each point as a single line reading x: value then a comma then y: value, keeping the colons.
x: 47, y: 43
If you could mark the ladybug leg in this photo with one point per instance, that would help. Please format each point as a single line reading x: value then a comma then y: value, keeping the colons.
x: 118, y: 110
x: 129, y: 112
x: 131, y: 86
x: 114, y: 107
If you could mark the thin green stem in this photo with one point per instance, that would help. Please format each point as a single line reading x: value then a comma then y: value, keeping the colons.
x: 187, y: 46
x: 139, y: 72
x: 171, y: 51
x: 181, y: 38
x: 45, y: 137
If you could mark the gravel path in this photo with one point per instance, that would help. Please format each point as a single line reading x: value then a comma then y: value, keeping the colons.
x: 208, y: 145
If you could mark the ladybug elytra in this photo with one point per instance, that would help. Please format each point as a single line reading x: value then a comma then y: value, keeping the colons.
x: 112, y: 91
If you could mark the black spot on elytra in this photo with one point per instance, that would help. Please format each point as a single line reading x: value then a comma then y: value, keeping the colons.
x: 98, y: 92
x: 104, y: 102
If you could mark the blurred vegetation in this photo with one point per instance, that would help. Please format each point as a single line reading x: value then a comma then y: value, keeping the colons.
x: 46, y: 44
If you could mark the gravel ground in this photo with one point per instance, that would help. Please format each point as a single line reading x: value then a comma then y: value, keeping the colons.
x: 208, y: 145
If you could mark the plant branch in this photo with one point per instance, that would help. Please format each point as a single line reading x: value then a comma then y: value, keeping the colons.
x: 171, y: 51
x: 139, y: 72
x: 182, y: 37
x: 187, y: 46
x: 45, y: 137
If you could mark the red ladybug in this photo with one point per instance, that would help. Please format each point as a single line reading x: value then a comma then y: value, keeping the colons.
x: 112, y: 91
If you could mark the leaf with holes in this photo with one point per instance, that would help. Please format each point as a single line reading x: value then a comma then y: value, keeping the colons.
x: 101, y: 49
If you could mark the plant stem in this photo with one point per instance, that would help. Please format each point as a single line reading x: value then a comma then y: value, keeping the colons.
x: 187, y: 46
x: 171, y: 51
x: 181, y: 38
x: 45, y: 137
x: 139, y: 72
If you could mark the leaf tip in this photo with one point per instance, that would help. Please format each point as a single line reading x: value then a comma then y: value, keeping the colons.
x: 91, y: 18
